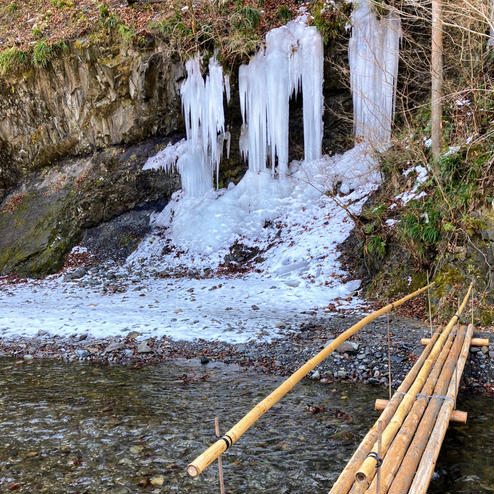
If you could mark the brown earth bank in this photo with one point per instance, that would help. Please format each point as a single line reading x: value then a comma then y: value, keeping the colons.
x: 362, y: 359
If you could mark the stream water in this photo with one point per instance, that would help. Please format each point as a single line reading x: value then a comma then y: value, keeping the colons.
x: 79, y: 428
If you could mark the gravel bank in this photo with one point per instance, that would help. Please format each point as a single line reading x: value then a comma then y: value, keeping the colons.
x: 362, y: 359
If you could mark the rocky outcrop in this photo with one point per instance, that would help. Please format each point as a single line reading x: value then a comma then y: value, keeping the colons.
x: 88, y: 98
x: 43, y: 218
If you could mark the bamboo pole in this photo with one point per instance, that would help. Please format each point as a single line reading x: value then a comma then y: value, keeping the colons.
x: 429, y: 304
x: 347, y: 476
x: 404, y: 477
x: 426, y: 467
x: 233, y: 435
x: 457, y: 417
x: 475, y: 341
x: 439, y: 374
x: 394, y: 425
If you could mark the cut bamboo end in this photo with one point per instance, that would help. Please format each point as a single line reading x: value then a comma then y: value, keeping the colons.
x: 361, y: 477
x: 192, y: 471
x: 475, y: 341
x: 458, y: 416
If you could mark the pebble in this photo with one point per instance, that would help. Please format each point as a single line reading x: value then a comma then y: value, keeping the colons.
x: 204, y: 360
x: 28, y: 357
x: 157, y: 481
x: 348, y: 347
x: 144, y: 348
x: 316, y: 375
x: 113, y: 347
x: 81, y: 353
x: 133, y: 335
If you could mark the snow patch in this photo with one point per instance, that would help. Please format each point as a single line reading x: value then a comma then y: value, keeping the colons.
x: 420, y: 179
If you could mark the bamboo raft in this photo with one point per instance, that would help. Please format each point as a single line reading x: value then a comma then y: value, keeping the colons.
x: 398, y: 454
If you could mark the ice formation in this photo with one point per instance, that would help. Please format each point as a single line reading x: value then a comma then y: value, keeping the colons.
x: 204, y: 226
x: 292, y: 61
x: 198, y: 158
x: 373, y: 55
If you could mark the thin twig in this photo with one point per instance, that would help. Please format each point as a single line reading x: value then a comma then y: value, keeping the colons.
x: 389, y: 358
x: 220, y: 462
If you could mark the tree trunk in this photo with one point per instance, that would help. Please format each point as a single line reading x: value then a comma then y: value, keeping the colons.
x: 437, y: 78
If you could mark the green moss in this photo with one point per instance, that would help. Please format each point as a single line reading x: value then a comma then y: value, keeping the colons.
x: 284, y: 14
x: 12, y: 59
x: 446, y: 280
x: 331, y: 19
x: 42, y: 54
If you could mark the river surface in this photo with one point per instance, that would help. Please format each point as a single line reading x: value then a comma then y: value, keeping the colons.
x: 82, y: 428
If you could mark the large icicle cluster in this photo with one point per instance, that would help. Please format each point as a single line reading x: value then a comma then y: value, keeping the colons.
x: 373, y: 54
x: 198, y: 158
x: 292, y: 61
x: 204, y: 224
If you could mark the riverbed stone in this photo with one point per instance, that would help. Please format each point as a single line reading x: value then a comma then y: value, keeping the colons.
x: 347, y: 347
x: 144, y: 348
x: 316, y: 375
x: 132, y: 335
x: 113, y: 347
x: 157, y: 481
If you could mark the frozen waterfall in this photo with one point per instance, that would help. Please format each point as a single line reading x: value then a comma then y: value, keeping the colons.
x: 373, y: 54
x: 292, y: 61
x: 285, y: 217
x: 198, y: 158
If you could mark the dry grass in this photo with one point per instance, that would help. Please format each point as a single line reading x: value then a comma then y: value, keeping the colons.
x: 24, y: 22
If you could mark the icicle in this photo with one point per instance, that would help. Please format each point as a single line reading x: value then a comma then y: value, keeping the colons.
x: 292, y: 61
x: 312, y: 79
x: 226, y: 83
x: 373, y: 54
x: 198, y: 158
x: 228, y: 139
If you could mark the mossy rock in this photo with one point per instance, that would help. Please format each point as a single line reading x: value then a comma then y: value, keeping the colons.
x: 41, y: 221
x: 36, y: 234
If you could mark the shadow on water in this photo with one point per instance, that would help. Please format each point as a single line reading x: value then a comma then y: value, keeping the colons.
x: 79, y: 428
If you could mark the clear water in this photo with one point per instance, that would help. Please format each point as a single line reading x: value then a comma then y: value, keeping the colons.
x: 78, y: 428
